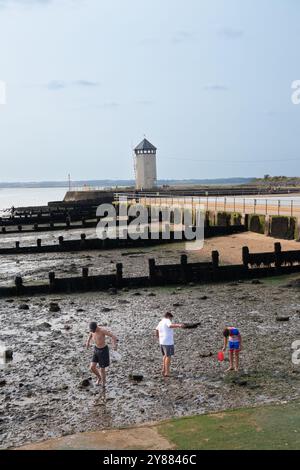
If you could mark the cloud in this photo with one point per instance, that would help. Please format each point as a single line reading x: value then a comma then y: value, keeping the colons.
x: 28, y: 3
x: 231, y: 33
x: 7, y: 3
x: 85, y: 83
x: 182, y: 36
x: 215, y: 87
x: 149, y: 42
x: 144, y: 102
x: 55, y: 85
x: 108, y: 105
x: 178, y: 37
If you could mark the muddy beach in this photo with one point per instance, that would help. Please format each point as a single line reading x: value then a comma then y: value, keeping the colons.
x: 41, y: 391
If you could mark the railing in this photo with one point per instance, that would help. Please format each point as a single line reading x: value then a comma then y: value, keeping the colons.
x: 262, y: 206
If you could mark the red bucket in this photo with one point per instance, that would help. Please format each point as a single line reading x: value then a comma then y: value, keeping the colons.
x: 221, y: 356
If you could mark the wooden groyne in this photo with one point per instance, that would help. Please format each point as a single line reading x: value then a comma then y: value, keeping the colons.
x: 266, y: 265
x: 90, y: 244
x: 51, y: 227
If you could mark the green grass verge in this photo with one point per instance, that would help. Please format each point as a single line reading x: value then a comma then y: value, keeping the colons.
x: 262, y: 428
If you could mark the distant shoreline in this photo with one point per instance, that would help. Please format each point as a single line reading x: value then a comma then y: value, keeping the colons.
x: 119, y: 183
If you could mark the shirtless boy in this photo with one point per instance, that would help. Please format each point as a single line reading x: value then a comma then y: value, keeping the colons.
x: 101, y: 351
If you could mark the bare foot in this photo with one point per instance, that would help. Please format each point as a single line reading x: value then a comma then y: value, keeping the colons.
x: 229, y: 369
x: 98, y: 382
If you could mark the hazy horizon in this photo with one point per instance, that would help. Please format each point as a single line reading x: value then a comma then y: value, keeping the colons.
x: 65, y: 183
x: 208, y: 82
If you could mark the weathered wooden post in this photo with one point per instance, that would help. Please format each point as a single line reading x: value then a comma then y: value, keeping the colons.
x: 18, y: 284
x: 183, y: 260
x: 277, y: 250
x: 20, y: 228
x: 83, y: 222
x: 51, y: 281
x: 17, y: 245
x: 36, y: 226
x: 85, y: 272
x: 61, y: 240
x: 82, y: 240
x: 184, y: 263
x: 39, y: 243
x: 3, y: 229
x: 215, y: 259
x: 51, y: 225
x: 68, y: 221
x: 245, y: 256
x: 119, y: 274
x: 152, y: 270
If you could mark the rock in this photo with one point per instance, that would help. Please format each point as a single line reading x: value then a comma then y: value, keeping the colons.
x: 67, y: 327
x: 85, y: 383
x: 151, y: 294
x: 204, y: 355
x: 3, y: 383
x: 23, y: 307
x: 136, y: 293
x: 283, y: 319
x: 9, y: 301
x: 45, y: 326
x: 112, y: 291
x: 107, y: 309
x: 80, y: 310
x: 256, y: 281
x: 177, y: 304
x: 124, y: 301
x: 295, y: 284
x: 54, y: 307
x: 240, y: 381
x: 9, y: 354
x: 191, y: 326
x: 136, y: 377
x: 142, y: 410
x: 204, y: 297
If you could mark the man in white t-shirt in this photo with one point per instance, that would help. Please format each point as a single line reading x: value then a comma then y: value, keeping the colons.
x: 165, y: 335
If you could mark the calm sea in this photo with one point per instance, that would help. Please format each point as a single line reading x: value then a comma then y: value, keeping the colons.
x: 18, y: 197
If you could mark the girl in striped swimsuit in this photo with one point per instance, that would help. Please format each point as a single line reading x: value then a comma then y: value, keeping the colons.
x: 233, y: 338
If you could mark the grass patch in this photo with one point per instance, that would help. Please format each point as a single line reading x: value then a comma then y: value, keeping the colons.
x: 262, y: 428
x: 280, y: 280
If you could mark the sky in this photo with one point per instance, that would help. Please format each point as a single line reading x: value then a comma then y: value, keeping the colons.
x: 208, y: 82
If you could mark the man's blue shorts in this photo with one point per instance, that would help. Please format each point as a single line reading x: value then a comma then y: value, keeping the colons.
x: 168, y: 350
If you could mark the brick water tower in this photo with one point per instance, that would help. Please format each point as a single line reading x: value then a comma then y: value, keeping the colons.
x: 145, y: 166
